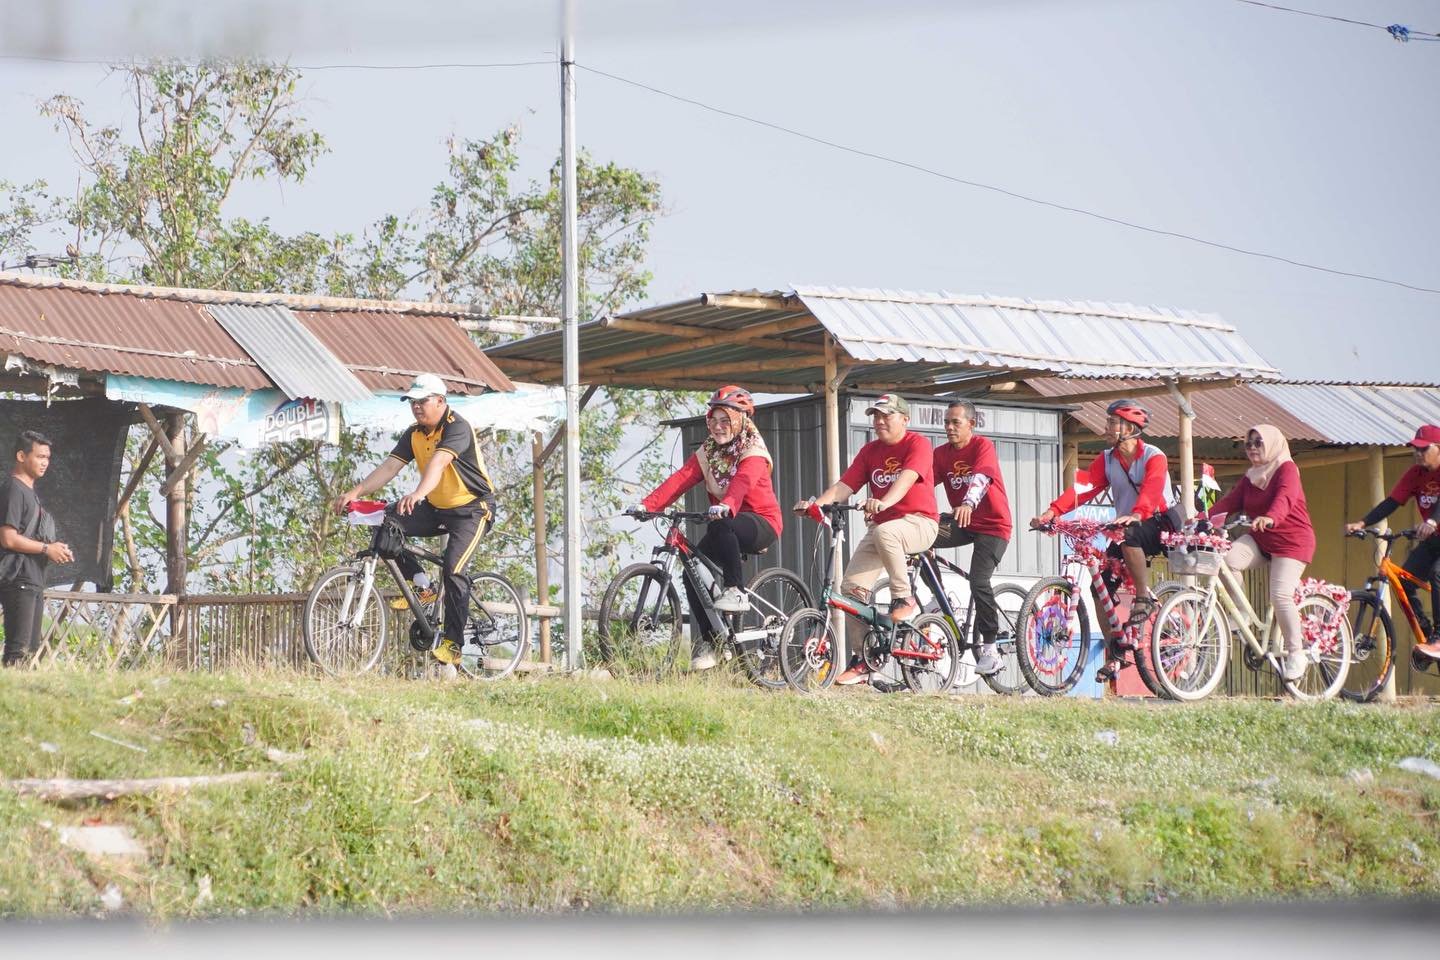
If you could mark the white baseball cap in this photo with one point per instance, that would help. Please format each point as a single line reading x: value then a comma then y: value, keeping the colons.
x: 425, y: 385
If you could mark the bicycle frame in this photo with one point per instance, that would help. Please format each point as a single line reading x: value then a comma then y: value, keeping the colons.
x: 1225, y: 587
x: 927, y: 567
x: 1390, y: 575
x: 369, y: 560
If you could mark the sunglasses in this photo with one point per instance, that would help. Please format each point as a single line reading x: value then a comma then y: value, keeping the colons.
x: 1254, y: 444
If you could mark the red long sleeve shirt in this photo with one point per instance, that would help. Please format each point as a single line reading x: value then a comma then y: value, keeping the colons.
x: 1150, y: 499
x: 750, y: 490
x: 1282, y: 500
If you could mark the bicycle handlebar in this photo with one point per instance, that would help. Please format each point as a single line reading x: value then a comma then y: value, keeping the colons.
x: 676, y: 515
x: 1389, y: 536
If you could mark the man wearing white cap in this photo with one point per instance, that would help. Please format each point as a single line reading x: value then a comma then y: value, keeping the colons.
x: 454, y: 496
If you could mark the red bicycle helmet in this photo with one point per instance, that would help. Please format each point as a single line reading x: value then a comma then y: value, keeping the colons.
x: 1131, y: 412
x: 736, y: 398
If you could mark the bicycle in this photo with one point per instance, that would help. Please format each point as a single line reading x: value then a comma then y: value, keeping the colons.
x: 1054, y: 626
x: 346, y: 618
x: 640, y: 621
x: 926, y: 648
x: 926, y: 568
x: 1190, y: 643
x: 1371, y: 626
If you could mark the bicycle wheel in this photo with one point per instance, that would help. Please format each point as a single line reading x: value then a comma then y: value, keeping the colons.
x: 1053, y: 642
x: 497, y: 633
x: 1373, y: 659
x: 775, y: 594
x: 640, y: 624
x: 1009, y: 598
x: 342, y: 637
x: 808, y: 650
x: 1189, y: 655
x: 928, y: 634
x: 1328, y: 648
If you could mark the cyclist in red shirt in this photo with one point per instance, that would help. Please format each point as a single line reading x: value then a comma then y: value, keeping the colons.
x: 1138, y: 478
x: 1280, y: 536
x: 1422, y: 484
x: 968, y: 469
x: 899, y: 467
x: 735, y: 467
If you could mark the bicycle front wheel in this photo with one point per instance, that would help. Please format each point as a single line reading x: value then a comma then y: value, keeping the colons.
x: 640, y: 624
x: 1009, y: 598
x: 344, y: 623
x: 928, y: 635
x: 1054, y: 637
x: 774, y: 594
x: 1188, y: 653
x: 1325, y: 637
x: 809, y: 651
x: 1373, y: 659
x: 497, y: 631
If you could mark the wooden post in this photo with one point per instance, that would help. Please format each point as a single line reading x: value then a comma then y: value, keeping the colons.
x: 833, y: 377
x: 1187, y: 450
x: 1377, y: 493
x: 542, y: 555
x: 1069, y: 457
x: 176, y: 532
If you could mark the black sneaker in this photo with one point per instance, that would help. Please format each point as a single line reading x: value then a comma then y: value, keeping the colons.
x: 702, y: 655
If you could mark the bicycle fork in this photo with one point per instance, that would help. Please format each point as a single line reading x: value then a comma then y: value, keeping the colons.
x: 352, y: 607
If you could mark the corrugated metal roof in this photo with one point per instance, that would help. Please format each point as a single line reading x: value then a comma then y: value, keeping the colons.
x: 109, y: 328
x: 1220, y: 414
x: 289, y: 353
x: 1077, y: 339
x: 896, y: 339
x: 1349, y: 413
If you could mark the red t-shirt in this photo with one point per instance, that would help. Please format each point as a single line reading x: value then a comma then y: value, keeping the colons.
x: 750, y: 490
x: 1282, y: 500
x: 879, y: 464
x: 953, y: 470
x: 1422, y: 485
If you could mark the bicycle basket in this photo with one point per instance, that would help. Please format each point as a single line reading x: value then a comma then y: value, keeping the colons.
x: 1197, y: 562
x: 389, y: 539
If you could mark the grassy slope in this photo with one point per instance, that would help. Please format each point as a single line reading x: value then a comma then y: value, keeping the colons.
x: 543, y: 795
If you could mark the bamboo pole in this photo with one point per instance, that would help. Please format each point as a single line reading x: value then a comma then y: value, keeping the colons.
x: 833, y: 376
x: 1377, y: 493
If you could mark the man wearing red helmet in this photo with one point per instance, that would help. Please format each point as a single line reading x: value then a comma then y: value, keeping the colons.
x: 1138, y: 478
x: 745, y: 518
x: 1422, y: 484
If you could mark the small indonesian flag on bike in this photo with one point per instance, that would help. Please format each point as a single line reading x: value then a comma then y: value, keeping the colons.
x: 365, y: 513
x: 815, y: 513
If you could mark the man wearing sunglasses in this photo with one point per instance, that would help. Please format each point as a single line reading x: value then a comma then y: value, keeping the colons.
x: 454, y: 496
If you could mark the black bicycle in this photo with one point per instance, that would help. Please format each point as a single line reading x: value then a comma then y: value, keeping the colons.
x: 927, y: 567
x: 640, y: 615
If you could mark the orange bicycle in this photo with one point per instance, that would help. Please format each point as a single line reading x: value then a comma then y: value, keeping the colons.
x: 1374, y: 651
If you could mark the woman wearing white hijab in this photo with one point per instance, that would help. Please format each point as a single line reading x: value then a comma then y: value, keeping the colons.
x: 1280, y: 534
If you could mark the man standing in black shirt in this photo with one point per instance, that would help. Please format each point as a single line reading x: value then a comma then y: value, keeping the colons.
x: 26, y: 532
x: 454, y: 496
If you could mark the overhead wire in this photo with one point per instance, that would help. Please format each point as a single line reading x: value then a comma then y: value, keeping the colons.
x: 1397, y: 30
x: 1004, y: 191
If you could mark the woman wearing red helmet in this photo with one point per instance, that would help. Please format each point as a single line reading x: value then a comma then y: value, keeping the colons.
x: 735, y: 466
x: 1138, y: 478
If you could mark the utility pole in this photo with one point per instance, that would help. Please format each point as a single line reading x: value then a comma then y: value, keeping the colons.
x: 574, y: 572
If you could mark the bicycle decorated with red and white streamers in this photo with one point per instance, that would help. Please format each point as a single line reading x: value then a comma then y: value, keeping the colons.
x: 1190, y: 642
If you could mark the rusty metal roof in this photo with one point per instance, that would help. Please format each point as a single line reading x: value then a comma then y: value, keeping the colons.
x: 167, y: 334
x: 1220, y: 414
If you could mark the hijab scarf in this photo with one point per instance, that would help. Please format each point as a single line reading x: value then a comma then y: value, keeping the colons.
x: 1276, y: 452
x: 722, y: 459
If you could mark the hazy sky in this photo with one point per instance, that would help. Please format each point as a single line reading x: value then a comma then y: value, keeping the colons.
x: 1296, y: 136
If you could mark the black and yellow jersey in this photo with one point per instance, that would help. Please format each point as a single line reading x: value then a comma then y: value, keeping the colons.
x: 465, y: 479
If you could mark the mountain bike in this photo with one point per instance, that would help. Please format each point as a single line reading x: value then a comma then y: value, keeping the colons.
x: 1190, y: 643
x: 640, y: 620
x: 1054, y: 626
x: 927, y: 569
x: 346, y: 617
x: 926, y: 648
x: 1370, y: 622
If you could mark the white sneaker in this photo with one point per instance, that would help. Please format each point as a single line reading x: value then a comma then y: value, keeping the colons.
x: 733, y: 600
x: 987, y: 661
x: 1295, y: 664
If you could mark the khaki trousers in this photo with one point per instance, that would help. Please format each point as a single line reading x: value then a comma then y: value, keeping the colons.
x: 883, y: 549
x: 1284, y: 578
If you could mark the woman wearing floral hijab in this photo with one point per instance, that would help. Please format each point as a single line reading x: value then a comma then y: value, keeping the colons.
x: 745, y: 517
x: 1280, y: 532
